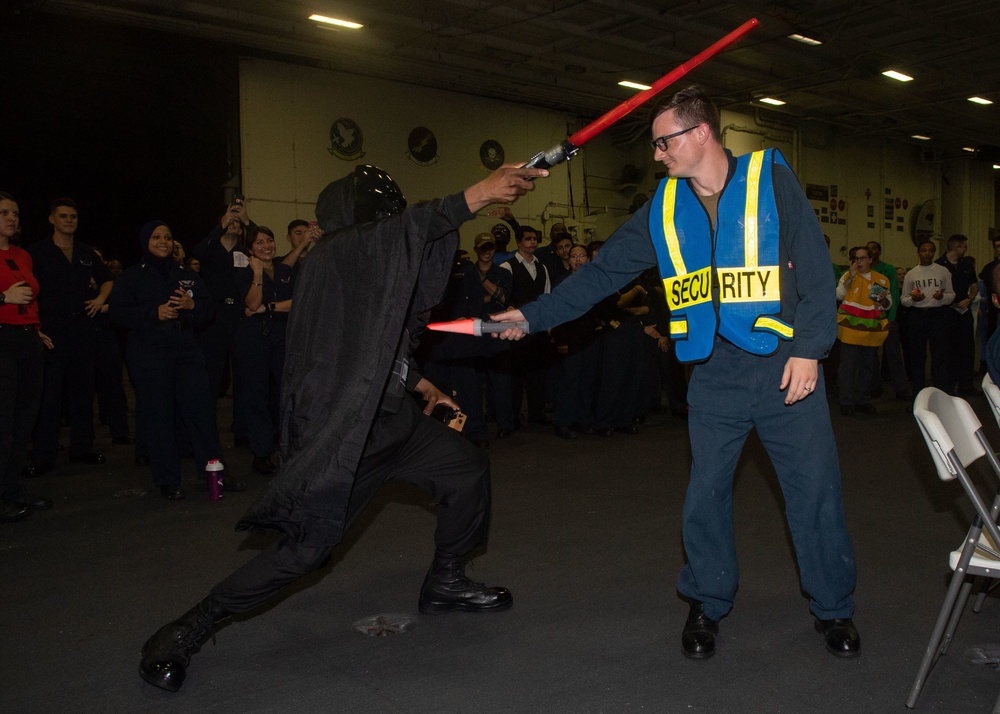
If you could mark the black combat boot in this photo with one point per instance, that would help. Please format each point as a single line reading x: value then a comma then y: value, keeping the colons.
x: 446, y: 589
x: 168, y: 652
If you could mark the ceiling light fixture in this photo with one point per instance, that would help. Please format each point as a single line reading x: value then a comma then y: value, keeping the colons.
x: 969, y: 148
x: 920, y: 136
x: 898, y: 76
x: 769, y: 100
x: 996, y: 166
x: 633, y: 85
x: 804, y: 40
x: 979, y: 100
x: 334, y: 21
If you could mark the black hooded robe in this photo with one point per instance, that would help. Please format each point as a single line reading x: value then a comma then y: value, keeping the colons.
x: 358, y: 292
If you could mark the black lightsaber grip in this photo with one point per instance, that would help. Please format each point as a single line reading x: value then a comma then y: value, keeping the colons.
x: 487, y: 328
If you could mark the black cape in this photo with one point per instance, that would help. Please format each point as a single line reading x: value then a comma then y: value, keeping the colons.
x: 360, y: 288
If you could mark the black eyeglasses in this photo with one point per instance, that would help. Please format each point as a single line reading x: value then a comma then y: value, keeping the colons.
x: 662, y: 142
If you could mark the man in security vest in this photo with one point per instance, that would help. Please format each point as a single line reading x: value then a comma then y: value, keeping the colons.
x: 747, y: 279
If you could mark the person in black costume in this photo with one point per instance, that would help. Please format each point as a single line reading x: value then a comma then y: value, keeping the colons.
x: 348, y: 424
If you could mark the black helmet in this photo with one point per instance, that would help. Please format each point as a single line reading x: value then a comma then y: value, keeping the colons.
x: 376, y: 195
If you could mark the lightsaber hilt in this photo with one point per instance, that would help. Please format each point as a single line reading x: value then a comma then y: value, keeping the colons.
x: 563, y: 151
x: 481, y: 327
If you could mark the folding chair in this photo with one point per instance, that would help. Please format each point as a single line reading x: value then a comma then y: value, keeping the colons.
x: 955, y: 440
x: 992, y: 393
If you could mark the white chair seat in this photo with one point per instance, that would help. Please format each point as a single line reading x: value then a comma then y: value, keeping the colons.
x: 980, y: 559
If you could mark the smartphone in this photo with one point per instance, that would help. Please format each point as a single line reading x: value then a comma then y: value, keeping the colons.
x: 451, y: 418
x: 238, y: 199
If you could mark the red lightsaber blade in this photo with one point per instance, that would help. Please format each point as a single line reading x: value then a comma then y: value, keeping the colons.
x: 475, y: 326
x: 565, y: 150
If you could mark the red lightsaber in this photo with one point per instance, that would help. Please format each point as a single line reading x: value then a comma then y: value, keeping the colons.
x: 475, y: 326
x: 565, y: 150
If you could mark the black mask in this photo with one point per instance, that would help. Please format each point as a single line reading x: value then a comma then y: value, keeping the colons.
x: 376, y: 195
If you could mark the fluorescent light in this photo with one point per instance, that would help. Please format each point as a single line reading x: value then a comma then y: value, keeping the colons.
x: 899, y: 76
x: 996, y: 166
x: 769, y: 100
x: 804, y: 40
x: 633, y: 85
x: 334, y: 21
x: 920, y: 136
x: 969, y: 148
x: 979, y: 100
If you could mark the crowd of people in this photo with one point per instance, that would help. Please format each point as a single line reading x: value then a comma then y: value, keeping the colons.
x: 221, y: 313
x: 182, y: 325
x: 186, y: 326
x: 930, y: 308
x: 601, y: 373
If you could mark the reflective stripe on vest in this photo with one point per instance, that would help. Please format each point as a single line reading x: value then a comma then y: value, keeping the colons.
x: 745, y: 259
x: 685, y: 260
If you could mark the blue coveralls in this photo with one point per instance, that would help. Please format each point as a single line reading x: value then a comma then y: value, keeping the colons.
x: 71, y: 366
x: 733, y: 392
x: 260, y: 357
x: 167, y: 366
x: 217, y: 336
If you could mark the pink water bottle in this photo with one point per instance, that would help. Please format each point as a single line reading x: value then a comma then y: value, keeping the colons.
x: 213, y: 472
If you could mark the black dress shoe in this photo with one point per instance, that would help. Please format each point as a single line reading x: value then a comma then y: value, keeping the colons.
x: 630, y: 429
x: 14, y: 512
x: 564, y: 432
x: 583, y: 429
x: 504, y: 433
x: 842, y: 638
x: 174, y: 493
x: 36, y: 504
x: 142, y: 461
x: 91, y: 458
x: 166, y: 654
x: 33, y: 470
x: 264, y: 466
x: 446, y: 589
x: 122, y: 440
x: 606, y: 432
x: 698, y: 637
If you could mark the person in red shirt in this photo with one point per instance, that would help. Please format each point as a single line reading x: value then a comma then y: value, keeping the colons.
x: 20, y: 366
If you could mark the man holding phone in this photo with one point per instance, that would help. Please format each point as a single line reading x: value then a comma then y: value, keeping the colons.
x: 220, y: 258
x: 301, y: 235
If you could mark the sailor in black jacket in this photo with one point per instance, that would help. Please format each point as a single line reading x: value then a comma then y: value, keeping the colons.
x: 161, y: 301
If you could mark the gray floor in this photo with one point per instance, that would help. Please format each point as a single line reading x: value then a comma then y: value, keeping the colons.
x: 587, y: 536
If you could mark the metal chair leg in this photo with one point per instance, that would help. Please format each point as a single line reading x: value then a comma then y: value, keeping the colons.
x: 956, y: 614
x: 933, y: 647
x: 988, y: 587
